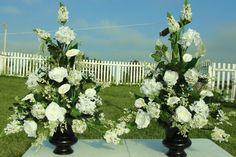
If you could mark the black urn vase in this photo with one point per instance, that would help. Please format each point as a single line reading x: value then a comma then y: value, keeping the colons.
x: 63, y: 140
x: 176, y: 143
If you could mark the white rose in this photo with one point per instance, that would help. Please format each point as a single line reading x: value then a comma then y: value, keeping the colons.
x: 30, y: 128
x: 29, y: 97
x: 72, y: 52
x: 171, y: 77
x: 187, y: 57
x: 191, y: 76
x: 206, y: 93
x: 139, y: 103
x: 90, y: 93
x: 183, y: 115
x: 64, y: 89
x: 54, y: 112
x: 142, y: 119
x: 172, y: 100
x: 58, y: 74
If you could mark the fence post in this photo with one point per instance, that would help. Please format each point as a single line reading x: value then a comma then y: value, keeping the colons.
x: 233, y: 96
x: 1, y: 64
x: 118, y: 66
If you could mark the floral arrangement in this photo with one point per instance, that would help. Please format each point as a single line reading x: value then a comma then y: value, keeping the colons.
x: 60, y: 93
x: 174, y: 92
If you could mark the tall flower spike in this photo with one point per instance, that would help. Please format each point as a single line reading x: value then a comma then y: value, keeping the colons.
x: 186, y: 12
x: 173, y: 25
x: 63, y: 14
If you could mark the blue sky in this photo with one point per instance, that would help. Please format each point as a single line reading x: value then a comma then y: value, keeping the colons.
x: 122, y: 30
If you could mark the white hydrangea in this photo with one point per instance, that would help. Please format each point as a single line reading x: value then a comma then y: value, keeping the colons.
x: 63, y: 14
x: 38, y: 111
x: 111, y: 137
x: 65, y: 35
x: 58, y: 74
x: 121, y: 128
x: 153, y: 109
x: 74, y: 77
x: 55, y: 113
x: 140, y: 103
x: 151, y: 88
x: 42, y: 34
x: 187, y: 12
x: 171, y: 77
x: 172, y: 100
x: 206, y: 93
x: 173, y: 25
x: 187, y: 57
x: 63, y: 89
x: 200, y: 108
x: 85, y: 105
x: 191, y: 76
x: 219, y: 135
x: 190, y: 36
x: 32, y: 81
x: 142, y: 119
x: 198, y: 121
x: 13, y: 127
x: 79, y: 126
x: 90, y: 93
x: 182, y: 115
x: 30, y: 128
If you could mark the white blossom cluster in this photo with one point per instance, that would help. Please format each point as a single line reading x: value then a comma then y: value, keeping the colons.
x: 189, y: 37
x: 42, y: 34
x: 65, y: 35
x: 13, y: 127
x: 38, y: 111
x: 63, y: 14
x: 173, y: 25
x: 74, y: 77
x: 151, y: 88
x: 187, y: 13
x: 219, y: 135
x: 79, y: 126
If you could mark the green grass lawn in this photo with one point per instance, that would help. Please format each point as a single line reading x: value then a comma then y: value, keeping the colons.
x: 114, y: 98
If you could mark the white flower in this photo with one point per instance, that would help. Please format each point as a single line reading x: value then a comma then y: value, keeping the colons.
x: 142, y: 119
x: 63, y: 14
x: 139, y: 103
x: 198, y: 121
x: 187, y: 57
x: 90, y: 93
x: 42, y: 34
x: 219, y: 135
x: 79, y: 126
x: 187, y: 12
x: 151, y: 88
x: 38, y: 111
x: 183, y: 115
x: 74, y: 77
x: 206, y: 93
x: 172, y: 100
x: 65, y: 35
x: 191, y: 76
x: 171, y: 77
x: 111, y: 137
x: 200, y: 107
x: 85, y: 105
x: 58, y: 74
x: 30, y: 128
x: 153, y: 109
x: 121, y: 128
x: 29, y: 97
x: 189, y: 37
x: 173, y: 25
x: 13, y: 127
x: 54, y: 112
x: 72, y: 52
x: 32, y: 81
x: 63, y: 89
x: 159, y: 43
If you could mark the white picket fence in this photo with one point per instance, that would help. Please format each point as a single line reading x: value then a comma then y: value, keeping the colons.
x: 222, y: 76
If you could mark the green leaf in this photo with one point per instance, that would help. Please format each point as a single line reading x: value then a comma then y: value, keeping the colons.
x: 75, y: 113
x: 191, y: 64
x: 157, y: 56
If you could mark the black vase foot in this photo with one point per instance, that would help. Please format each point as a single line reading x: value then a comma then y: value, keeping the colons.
x: 176, y: 143
x: 63, y: 141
